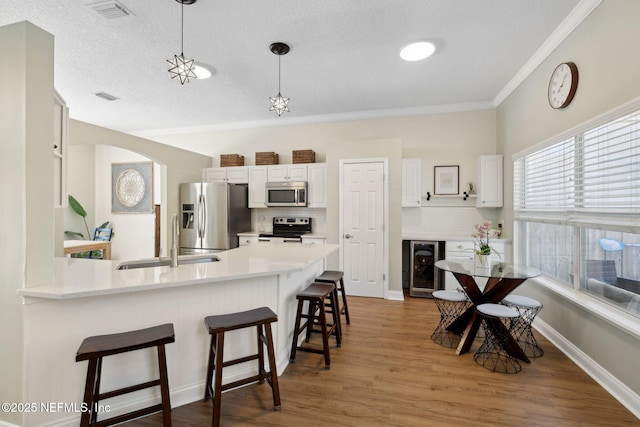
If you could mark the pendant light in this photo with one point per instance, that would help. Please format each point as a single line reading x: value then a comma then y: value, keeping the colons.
x: 180, y: 66
x: 279, y: 104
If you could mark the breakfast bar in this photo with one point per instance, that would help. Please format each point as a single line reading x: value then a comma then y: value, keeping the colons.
x: 92, y: 297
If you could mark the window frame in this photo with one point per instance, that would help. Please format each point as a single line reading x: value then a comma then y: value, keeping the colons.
x: 616, y: 315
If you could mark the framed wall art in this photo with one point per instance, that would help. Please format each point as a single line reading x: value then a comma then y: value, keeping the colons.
x: 446, y: 180
x: 132, y: 187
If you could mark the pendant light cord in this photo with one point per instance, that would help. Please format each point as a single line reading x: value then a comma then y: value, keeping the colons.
x: 279, y: 74
x: 182, y: 31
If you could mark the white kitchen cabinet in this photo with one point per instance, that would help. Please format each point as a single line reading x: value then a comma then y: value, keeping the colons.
x: 465, y: 250
x: 293, y: 172
x: 247, y: 239
x: 231, y: 174
x: 257, y: 181
x: 317, y: 185
x: 490, y: 182
x: 60, y: 118
x: 411, y: 182
x: 315, y: 239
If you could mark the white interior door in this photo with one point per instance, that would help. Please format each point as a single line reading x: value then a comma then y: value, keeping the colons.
x: 362, y: 225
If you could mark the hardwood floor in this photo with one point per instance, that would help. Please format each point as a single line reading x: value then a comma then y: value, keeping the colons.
x: 388, y: 372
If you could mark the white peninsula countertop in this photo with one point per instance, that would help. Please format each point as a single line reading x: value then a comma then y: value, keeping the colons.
x: 79, y: 277
x: 90, y: 297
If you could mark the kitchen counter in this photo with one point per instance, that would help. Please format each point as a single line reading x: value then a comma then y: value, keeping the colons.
x: 78, y: 277
x: 91, y: 297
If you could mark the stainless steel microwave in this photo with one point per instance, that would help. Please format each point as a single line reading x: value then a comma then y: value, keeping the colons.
x: 288, y: 193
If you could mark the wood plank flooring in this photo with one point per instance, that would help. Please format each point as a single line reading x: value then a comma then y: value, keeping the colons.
x: 388, y: 372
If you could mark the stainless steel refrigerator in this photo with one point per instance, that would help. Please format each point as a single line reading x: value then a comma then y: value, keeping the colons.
x: 212, y: 213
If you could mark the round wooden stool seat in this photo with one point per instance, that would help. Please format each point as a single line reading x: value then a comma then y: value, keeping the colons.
x: 95, y: 348
x: 260, y: 318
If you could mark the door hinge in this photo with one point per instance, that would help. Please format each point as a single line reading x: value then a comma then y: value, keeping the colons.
x: 384, y: 277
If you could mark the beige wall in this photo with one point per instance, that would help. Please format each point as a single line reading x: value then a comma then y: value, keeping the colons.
x: 438, y: 139
x: 178, y: 165
x: 26, y: 171
x: 604, y: 47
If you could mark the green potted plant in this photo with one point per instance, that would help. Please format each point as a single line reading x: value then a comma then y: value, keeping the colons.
x: 76, y: 207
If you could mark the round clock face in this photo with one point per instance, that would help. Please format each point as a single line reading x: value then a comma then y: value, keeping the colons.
x: 563, y: 85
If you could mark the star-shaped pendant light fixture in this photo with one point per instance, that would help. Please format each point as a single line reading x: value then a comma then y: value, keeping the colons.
x: 279, y: 104
x: 180, y: 66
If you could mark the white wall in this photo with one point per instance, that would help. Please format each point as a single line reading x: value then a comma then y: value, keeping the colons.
x: 604, y: 47
x: 26, y: 190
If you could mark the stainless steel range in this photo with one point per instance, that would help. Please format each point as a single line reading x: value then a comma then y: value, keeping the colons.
x: 287, y: 229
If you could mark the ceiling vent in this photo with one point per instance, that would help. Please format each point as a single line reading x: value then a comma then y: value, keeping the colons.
x: 106, y: 96
x: 110, y: 9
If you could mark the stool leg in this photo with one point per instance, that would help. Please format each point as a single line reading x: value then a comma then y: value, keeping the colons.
x: 260, y: 335
x: 335, y: 314
x: 164, y: 386
x: 313, y: 308
x: 345, y: 307
x: 325, y: 337
x: 296, y: 332
x: 272, y: 368
x: 208, y: 388
x: 217, y: 391
x: 335, y: 309
x: 89, y: 392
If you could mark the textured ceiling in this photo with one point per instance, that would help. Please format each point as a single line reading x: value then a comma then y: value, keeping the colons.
x: 343, y: 62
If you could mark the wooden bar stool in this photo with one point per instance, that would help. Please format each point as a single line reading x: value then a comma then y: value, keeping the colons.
x: 528, y: 309
x: 316, y: 294
x: 95, y: 348
x: 261, y: 319
x: 494, y: 353
x: 336, y: 277
x: 450, y: 304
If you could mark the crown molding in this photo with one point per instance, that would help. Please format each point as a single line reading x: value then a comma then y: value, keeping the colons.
x: 566, y: 27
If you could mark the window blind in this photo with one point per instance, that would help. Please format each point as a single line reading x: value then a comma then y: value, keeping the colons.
x: 591, y: 179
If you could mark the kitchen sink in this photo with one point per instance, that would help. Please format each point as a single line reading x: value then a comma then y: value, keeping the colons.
x: 163, y: 262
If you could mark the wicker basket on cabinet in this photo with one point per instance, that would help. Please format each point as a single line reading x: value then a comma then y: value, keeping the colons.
x: 266, y: 158
x: 231, y: 160
x: 304, y: 156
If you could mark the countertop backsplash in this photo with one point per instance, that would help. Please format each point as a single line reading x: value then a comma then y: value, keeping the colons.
x: 454, y: 221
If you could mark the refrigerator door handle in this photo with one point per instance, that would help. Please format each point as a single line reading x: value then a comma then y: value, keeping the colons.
x: 202, y: 214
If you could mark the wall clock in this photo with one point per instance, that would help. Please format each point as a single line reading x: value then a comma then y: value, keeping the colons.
x: 563, y: 85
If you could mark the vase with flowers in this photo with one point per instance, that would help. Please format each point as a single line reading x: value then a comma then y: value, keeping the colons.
x: 483, y: 249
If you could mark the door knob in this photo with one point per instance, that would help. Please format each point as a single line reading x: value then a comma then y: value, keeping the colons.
x: 348, y: 236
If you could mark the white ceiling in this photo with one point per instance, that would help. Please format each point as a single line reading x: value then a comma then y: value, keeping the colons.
x: 343, y: 62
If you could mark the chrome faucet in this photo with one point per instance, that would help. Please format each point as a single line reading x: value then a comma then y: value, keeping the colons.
x: 175, y: 232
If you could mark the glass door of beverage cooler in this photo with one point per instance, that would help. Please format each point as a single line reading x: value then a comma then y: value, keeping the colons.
x: 425, y: 277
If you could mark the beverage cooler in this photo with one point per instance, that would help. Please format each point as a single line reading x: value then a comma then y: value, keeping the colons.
x: 425, y: 277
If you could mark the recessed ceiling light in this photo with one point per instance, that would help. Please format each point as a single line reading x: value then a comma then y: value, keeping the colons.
x: 202, y: 71
x: 417, y: 51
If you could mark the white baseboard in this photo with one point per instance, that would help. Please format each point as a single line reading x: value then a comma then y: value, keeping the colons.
x: 395, y: 295
x: 623, y: 394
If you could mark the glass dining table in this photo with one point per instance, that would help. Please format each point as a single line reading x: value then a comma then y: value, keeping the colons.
x: 502, y: 279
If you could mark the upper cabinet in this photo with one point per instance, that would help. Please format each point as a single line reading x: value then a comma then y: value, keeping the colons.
x: 294, y: 172
x: 317, y: 185
x: 232, y: 174
x: 60, y: 118
x: 490, y: 182
x: 411, y: 182
x: 257, y: 181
